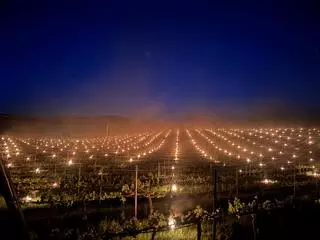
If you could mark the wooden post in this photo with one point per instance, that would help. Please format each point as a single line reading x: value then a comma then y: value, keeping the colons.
x: 316, y: 186
x: 294, y: 181
x: 12, y: 203
x: 214, y: 202
x: 237, y: 182
x: 136, y: 195
x: 107, y: 131
x: 100, y: 192
x: 158, y: 179
x: 79, y: 175
x: 199, y: 230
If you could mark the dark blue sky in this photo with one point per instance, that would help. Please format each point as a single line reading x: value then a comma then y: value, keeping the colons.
x: 99, y: 57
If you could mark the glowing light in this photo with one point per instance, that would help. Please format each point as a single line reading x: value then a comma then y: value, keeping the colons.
x: 171, y: 222
x: 174, y: 187
x: 267, y: 181
x: 27, y: 199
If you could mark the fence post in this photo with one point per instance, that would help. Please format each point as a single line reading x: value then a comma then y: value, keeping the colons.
x: 237, y: 182
x: 12, y: 202
x: 154, y: 232
x: 158, y: 178
x: 294, y: 182
x: 199, y: 229
x: 136, y: 194
x: 214, y: 200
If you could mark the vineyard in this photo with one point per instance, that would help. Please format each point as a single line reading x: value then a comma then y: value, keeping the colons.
x: 156, y: 181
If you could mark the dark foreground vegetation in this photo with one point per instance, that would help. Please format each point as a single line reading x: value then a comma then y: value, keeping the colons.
x: 256, y: 219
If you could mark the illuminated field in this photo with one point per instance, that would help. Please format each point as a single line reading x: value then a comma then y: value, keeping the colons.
x: 169, y: 161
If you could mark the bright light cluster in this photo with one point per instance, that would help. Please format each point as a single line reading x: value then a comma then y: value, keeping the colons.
x: 176, y: 153
x: 198, y: 147
x: 257, y: 148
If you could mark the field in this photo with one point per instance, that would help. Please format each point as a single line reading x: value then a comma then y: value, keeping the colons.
x: 169, y: 171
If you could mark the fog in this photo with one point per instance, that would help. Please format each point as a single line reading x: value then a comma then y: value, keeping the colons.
x: 154, y: 118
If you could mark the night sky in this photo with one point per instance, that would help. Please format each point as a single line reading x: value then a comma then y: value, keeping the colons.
x: 157, y: 57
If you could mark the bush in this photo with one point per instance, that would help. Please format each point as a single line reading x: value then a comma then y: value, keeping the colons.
x: 106, y: 226
x: 3, y: 203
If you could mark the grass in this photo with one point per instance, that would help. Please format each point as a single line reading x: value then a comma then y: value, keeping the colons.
x: 183, y: 233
